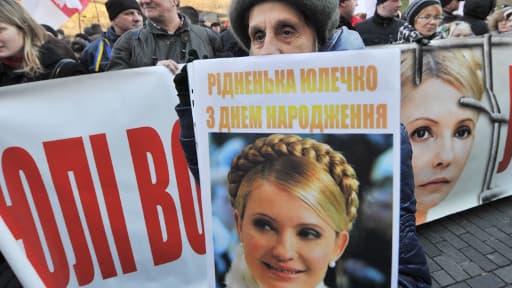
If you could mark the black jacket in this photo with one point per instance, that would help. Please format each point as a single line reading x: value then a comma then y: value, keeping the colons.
x: 378, y: 30
x: 51, y: 53
x: 476, y: 12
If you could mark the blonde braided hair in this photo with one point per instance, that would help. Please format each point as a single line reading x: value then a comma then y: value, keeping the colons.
x: 313, y: 171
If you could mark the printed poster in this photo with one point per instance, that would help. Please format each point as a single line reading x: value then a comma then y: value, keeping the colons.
x: 94, y: 186
x: 277, y: 136
x: 455, y: 104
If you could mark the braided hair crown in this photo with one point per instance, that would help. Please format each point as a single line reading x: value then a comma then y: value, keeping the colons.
x: 276, y: 147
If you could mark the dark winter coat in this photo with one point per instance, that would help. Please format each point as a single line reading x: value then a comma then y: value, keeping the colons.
x: 150, y: 44
x: 413, y: 270
x: 378, y: 30
x: 476, y: 12
x: 99, y: 51
x: 57, y: 59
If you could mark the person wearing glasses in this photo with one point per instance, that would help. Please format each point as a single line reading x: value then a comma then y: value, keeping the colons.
x: 508, y: 20
x: 423, y: 19
x: 497, y: 22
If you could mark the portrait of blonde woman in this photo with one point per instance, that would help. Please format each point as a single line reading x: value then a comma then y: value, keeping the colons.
x: 293, y: 204
x: 441, y: 130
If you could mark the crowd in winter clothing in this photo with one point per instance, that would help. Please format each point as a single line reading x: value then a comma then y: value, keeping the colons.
x: 168, y: 35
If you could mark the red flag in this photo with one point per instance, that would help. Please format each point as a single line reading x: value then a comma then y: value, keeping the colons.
x: 54, y: 12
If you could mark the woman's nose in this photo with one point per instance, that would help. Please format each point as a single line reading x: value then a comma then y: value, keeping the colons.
x: 284, y: 248
x: 444, y: 153
x: 270, y: 46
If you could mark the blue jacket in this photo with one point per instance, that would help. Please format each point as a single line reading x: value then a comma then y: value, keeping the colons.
x: 412, y: 264
x: 343, y: 39
x: 96, y: 55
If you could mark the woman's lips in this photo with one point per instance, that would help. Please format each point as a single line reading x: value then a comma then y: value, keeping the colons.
x: 283, y: 272
x: 435, y: 182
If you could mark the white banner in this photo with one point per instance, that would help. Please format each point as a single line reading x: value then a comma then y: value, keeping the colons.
x: 94, y: 186
x: 348, y: 101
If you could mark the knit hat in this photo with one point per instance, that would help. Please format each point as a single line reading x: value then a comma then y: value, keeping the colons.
x: 381, y: 1
x: 323, y: 16
x: 116, y: 7
x: 507, y: 13
x: 415, y: 8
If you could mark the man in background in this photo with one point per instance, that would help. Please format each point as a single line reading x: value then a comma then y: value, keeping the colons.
x: 124, y: 15
x: 382, y: 27
x: 347, y: 9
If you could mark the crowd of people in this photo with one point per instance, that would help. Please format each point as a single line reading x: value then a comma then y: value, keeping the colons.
x: 160, y: 32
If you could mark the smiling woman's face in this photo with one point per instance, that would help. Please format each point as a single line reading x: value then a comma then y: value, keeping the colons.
x: 11, y: 41
x: 441, y: 134
x: 285, y: 242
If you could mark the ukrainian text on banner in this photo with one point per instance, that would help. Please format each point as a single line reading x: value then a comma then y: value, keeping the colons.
x: 292, y: 114
x: 95, y: 189
x: 456, y: 106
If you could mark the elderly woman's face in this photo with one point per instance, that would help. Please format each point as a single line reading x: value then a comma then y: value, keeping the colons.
x: 286, y: 247
x: 428, y: 20
x: 276, y: 28
x: 11, y: 40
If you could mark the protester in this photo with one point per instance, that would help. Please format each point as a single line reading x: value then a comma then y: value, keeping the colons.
x: 215, y: 26
x: 256, y: 24
x: 78, y: 44
x: 382, y: 27
x: 508, y: 20
x: 442, y: 131
x: 231, y: 45
x: 191, y: 13
x: 347, y: 9
x: 28, y: 53
x: 476, y: 13
x: 94, y: 31
x: 456, y: 29
x: 449, y: 9
x: 164, y: 40
x: 497, y: 23
x: 423, y: 18
x: 320, y: 190
x: 124, y: 15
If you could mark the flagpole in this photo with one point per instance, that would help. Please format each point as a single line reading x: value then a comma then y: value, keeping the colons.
x: 97, y: 13
x: 79, y: 22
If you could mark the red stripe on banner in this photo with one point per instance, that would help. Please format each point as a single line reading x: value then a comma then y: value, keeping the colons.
x: 70, y: 7
x: 502, y: 166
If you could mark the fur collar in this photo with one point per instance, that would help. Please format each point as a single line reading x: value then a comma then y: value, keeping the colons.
x: 239, y: 275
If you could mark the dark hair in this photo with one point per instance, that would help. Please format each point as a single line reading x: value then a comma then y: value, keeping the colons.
x: 191, y: 13
x: 50, y: 30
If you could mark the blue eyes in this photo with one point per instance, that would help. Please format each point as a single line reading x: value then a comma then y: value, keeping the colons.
x: 264, y: 225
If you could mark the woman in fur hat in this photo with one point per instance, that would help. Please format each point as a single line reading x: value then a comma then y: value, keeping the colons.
x: 267, y: 27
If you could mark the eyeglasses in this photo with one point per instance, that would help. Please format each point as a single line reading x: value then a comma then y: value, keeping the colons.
x: 427, y: 18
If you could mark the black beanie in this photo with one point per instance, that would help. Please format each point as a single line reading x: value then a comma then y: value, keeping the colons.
x: 381, y: 1
x: 116, y: 7
x: 415, y: 8
x: 323, y: 15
